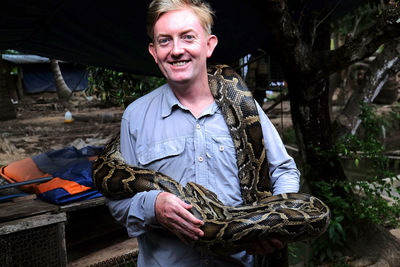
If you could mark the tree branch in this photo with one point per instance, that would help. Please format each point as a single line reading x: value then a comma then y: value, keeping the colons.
x: 386, y: 28
x: 386, y: 64
x: 299, y: 55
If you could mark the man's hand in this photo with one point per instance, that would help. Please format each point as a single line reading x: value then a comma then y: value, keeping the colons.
x: 266, y: 246
x: 172, y: 213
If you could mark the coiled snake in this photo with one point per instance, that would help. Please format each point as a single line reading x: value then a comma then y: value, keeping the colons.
x: 291, y: 217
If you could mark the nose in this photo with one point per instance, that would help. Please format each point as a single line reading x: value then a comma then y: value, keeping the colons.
x: 177, y: 49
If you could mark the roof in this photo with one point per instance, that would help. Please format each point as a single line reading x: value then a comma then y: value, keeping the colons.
x: 25, y: 59
x: 112, y: 33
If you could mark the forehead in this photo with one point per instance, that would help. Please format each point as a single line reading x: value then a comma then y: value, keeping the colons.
x: 178, y: 21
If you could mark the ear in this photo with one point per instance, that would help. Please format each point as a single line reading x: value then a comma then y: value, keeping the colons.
x: 153, y: 52
x: 211, y: 44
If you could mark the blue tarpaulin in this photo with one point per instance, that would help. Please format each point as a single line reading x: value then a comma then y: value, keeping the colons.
x: 39, y: 78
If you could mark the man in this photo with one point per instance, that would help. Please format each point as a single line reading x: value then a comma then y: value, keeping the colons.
x: 179, y: 130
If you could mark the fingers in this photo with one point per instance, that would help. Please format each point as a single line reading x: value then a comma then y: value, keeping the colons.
x: 187, y: 215
x: 173, y: 214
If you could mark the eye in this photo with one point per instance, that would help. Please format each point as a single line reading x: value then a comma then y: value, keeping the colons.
x: 163, y: 41
x: 188, y: 37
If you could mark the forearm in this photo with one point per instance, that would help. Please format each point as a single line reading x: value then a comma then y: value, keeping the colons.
x: 136, y: 213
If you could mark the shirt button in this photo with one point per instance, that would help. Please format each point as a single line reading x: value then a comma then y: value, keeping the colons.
x: 221, y: 148
x: 198, y: 126
x: 201, y: 159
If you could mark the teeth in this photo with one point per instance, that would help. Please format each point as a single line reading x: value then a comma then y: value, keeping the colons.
x: 180, y: 63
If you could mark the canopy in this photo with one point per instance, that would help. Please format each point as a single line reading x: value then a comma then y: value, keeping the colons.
x: 112, y: 33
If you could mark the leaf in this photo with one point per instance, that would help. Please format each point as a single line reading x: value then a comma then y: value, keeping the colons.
x: 331, y: 232
x: 340, y: 229
x: 339, y: 218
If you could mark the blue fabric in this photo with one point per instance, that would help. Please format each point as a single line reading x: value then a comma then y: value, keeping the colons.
x: 80, y: 172
x: 69, y: 164
x: 159, y: 133
x: 51, y: 161
x: 60, y: 196
x: 39, y: 78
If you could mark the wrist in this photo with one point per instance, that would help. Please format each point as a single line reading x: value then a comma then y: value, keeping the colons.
x: 149, y: 207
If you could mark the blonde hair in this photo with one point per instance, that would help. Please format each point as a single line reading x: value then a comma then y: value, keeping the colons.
x: 159, y: 7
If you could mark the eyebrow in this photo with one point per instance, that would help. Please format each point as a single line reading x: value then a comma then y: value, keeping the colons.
x: 180, y: 33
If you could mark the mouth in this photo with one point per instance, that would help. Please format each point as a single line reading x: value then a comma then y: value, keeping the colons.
x: 179, y: 63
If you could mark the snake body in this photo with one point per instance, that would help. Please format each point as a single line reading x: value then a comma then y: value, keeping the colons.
x: 291, y: 217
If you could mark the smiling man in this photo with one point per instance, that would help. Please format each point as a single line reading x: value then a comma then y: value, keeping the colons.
x: 181, y: 47
x: 179, y: 130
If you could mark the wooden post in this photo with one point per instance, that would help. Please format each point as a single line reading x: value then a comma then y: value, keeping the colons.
x: 20, y: 88
x: 7, y: 110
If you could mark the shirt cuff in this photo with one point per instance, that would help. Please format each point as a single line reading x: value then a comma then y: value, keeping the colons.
x: 149, y: 207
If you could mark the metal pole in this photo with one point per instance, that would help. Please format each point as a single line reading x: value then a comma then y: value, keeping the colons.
x: 37, y: 180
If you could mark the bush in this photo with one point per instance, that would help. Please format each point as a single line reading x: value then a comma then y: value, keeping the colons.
x: 120, y: 88
x: 363, y: 201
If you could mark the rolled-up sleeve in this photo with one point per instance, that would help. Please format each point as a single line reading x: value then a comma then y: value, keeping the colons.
x: 136, y: 213
x: 285, y: 177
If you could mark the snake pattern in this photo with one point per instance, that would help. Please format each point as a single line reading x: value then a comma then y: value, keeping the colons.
x: 290, y: 217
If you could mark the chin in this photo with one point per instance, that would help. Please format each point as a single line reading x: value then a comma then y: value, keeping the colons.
x: 179, y: 81
x: 179, y: 78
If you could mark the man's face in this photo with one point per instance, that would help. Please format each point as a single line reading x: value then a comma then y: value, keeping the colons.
x: 181, y: 46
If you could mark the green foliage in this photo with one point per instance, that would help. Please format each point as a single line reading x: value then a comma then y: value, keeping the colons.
x: 357, y: 20
x: 10, y: 51
x: 120, y: 88
x: 289, y: 136
x: 362, y: 200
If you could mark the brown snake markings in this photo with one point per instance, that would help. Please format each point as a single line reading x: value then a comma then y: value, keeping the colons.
x: 292, y: 217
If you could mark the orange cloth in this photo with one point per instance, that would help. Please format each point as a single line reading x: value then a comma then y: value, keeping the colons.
x: 69, y: 186
x: 21, y: 171
x: 26, y: 170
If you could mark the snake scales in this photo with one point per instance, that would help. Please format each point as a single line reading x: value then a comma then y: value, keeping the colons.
x: 291, y: 216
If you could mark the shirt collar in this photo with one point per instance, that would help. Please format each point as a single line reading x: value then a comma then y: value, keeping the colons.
x: 169, y: 101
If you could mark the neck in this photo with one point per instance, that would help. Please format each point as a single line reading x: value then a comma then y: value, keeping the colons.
x: 195, y: 96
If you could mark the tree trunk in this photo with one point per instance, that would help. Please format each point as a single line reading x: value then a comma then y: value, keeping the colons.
x: 63, y: 91
x: 312, y: 124
x: 7, y: 110
x: 310, y: 109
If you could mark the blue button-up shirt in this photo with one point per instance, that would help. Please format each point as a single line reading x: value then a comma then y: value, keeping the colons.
x: 159, y: 133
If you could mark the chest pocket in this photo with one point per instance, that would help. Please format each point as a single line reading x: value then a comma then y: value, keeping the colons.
x: 154, y: 154
x: 223, y: 145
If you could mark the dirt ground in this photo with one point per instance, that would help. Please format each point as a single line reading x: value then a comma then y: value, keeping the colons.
x: 40, y: 126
